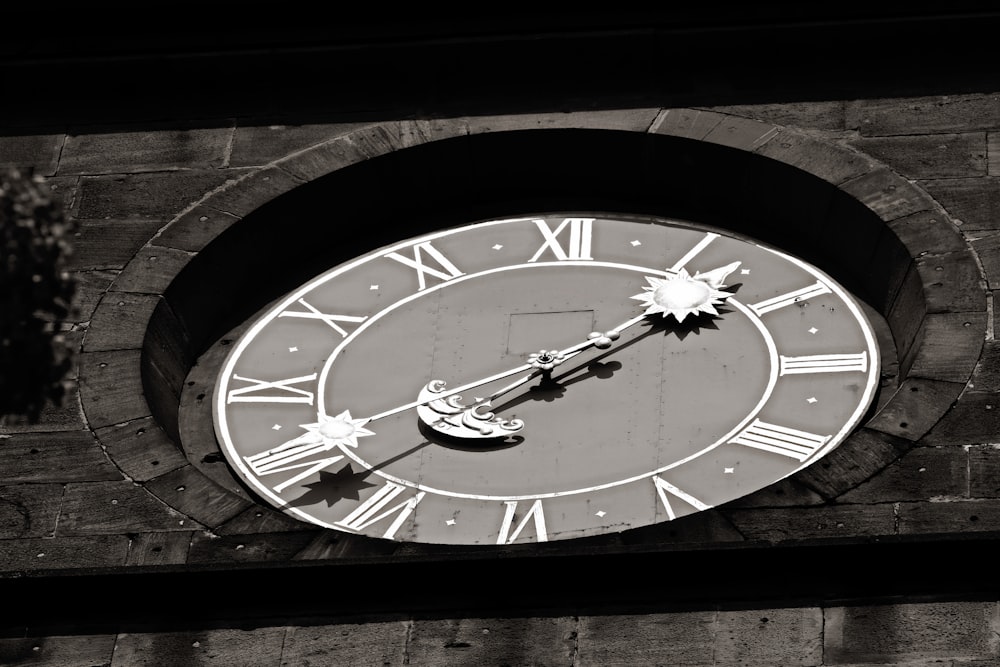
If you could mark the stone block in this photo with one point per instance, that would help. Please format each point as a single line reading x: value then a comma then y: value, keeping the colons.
x: 742, y: 133
x: 90, y: 287
x: 986, y: 376
x: 631, y: 120
x: 159, y: 548
x: 57, y: 650
x: 827, y: 522
x: 682, y: 638
x: 950, y: 347
x: 63, y: 414
x: 917, y: 406
x: 159, y: 196
x: 822, y: 158
x: 887, y: 194
x: 259, y: 144
x: 986, y: 245
x: 151, y: 270
x: 494, y: 641
x: 250, y: 647
x: 971, y: 202
x: 119, y: 321
x: 924, y: 115
x: 818, y: 115
x: 952, y: 282
x: 769, y: 637
x: 973, y: 419
x: 38, y: 555
x: 949, y: 516
x: 928, y: 232
x: 984, y: 471
x: 29, y: 510
x: 109, y: 244
x: 920, y: 474
x: 686, y: 123
x: 371, y: 643
x: 61, y: 456
x: 38, y: 153
x: 260, y: 519
x: 993, y: 153
x: 152, y: 149
x: 251, y: 190
x: 111, y: 508
x: 911, y: 633
x: 141, y: 449
x: 864, y: 454
x: 930, y: 156
x: 111, y: 388
x: 189, y: 491
x: 195, y: 229
x: 258, y: 548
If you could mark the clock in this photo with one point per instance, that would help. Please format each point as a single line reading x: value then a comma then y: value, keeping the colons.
x: 542, y: 378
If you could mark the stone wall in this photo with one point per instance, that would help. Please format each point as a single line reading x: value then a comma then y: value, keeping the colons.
x: 125, y: 478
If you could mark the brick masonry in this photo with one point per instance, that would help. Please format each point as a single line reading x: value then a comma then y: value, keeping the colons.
x: 102, y: 485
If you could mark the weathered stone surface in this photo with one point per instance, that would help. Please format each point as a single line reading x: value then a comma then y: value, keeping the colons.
x: 949, y: 516
x: 821, y: 115
x: 159, y: 196
x: 251, y: 191
x: 950, y: 347
x: 257, y: 548
x: 920, y: 474
x: 993, y: 151
x: 102, y: 508
x: 886, y: 193
x: 974, y: 419
x: 328, y: 544
x: 191, y: 492
x: 924, y: 115
x: 37, y: 555
x: 899, y: 633
x: 831, y: 162
x: 742, y: 133
x: 984, y: 471
x: 64, y: 415
x: 916, y: 408
x: 829, y: 521
x: 111, y: 387
x: 38, y: 152
x: 71, y: 650
x: 90, y: 287
x: 151, y: 270
x: 972, y: 202
x: 159, y: 149
x: 110, y: 244
x: 987, y: 248
x: 928, y: 232
x: 260, y: 144
x: 864, y: 454
x: 375, y: 643
x: 260, y: 519
x: 636, y: 120
x: 710, y: 526
x: 683, y: 638
x: 141, y: 449
x: 259, y: 647
x: 686, y: 123
x: 934, y: 156
x: 193, y: 230
x: 119, y: 322
x: 953, y: 282
x: 159, y: 548
x: 63, y: 456
x: 986, y: 376
x: 29, y: 510
x: 495, y: 641
x: 772, y: 637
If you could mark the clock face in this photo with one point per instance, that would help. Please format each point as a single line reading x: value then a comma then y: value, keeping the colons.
x: 543, y: 378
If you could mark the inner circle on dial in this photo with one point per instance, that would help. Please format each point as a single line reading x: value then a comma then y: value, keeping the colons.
x: 662, y: 393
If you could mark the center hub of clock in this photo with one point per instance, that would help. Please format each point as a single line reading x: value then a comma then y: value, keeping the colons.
x: 682, y: 294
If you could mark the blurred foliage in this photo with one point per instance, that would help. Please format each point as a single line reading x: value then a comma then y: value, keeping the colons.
x: 35, y: 296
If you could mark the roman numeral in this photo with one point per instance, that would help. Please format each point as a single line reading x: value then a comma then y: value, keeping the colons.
x: 767, y: 305
x: 281, y: 391
x: 782, y: 440
x: 823, y: 363
x: 663, y: 487
x: 446, y: 270
x: 374, y: 510
x: 580, y: 235
x: 693, y: 252
x: 534, y: 512
x: 311, y: 313
x: 288, y: 456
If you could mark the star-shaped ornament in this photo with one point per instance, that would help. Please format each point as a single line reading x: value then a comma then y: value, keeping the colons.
x: 682, y: 294
x: 340, y: 430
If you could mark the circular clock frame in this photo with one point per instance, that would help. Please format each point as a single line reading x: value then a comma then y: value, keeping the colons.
x: 836, y: 204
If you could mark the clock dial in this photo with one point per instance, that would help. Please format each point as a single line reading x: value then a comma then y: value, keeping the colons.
x: 543, y: 378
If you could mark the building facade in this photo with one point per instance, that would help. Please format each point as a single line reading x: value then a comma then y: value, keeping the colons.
x: 128, y: 540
